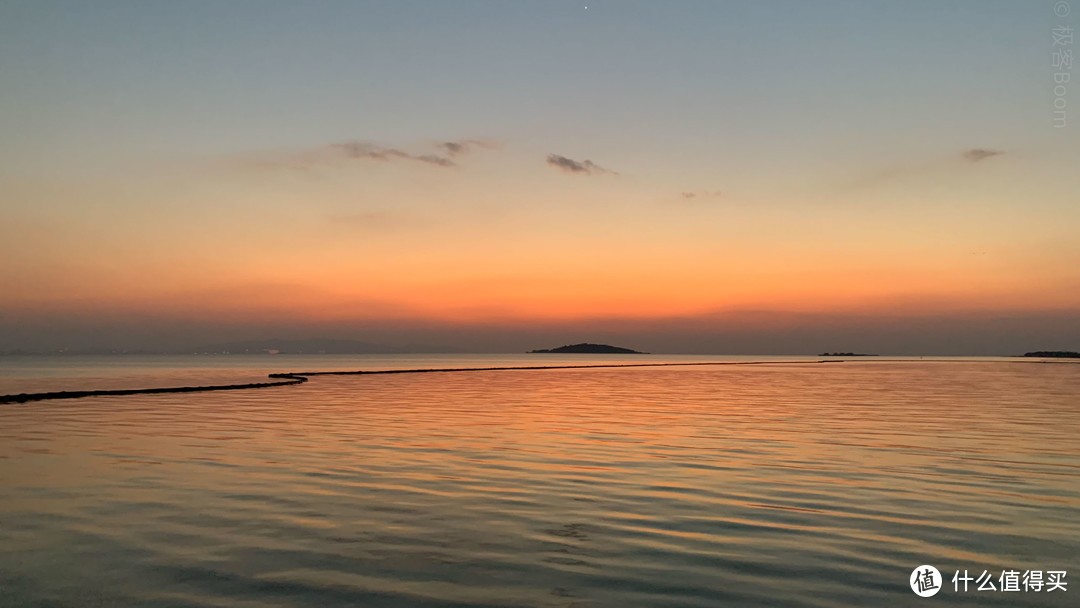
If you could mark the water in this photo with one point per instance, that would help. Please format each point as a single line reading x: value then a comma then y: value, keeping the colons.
x: 43, y: 374
x: 774, y: 484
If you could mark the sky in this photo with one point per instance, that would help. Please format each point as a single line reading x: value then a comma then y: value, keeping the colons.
x: 781, y: 177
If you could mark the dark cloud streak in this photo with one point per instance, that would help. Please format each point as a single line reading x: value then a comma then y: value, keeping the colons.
x: 362, y: 149
x: 454, y: 148
x: 978, y: 154
x: 586, y: 167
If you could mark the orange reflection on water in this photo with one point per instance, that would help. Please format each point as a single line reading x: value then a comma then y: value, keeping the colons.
x: 674, y: 477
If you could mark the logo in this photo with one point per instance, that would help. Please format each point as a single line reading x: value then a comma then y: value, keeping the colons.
x: 925, y: 581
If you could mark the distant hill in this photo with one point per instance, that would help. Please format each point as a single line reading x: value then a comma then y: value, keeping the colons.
x: 845, y: 355
x: 1054, y: 354
x: 586, y: 348
x: 316, y: 346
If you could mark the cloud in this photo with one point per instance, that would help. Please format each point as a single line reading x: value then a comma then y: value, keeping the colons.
x: 363, y: 149
x: 454, y: 148
x: 938, y: 166
x: 703, y: 194
x: 977, y: 154
x: 306, y: 159
x: 572, y: 166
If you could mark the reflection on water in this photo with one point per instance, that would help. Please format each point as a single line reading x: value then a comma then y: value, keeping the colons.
x: 816, y: 485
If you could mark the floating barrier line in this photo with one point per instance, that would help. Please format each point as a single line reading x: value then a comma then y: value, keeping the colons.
x: 24, y: 397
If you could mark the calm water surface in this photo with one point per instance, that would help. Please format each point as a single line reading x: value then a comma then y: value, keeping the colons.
x: 784, y: 485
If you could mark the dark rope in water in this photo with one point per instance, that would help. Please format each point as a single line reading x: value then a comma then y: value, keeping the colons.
x: 24, y: 397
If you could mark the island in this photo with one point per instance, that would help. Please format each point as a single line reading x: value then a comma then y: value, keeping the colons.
x: 1054, y: 354
x: 592, y: 349
x: 845, y: 355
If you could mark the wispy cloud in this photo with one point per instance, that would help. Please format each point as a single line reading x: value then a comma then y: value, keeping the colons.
x: 455, y: 148
x: 363, y: 149
x: 977, y: 154
x: 703, y: 194
x: 360, y: 150
x: 941, y: 165
x: 586, y: 167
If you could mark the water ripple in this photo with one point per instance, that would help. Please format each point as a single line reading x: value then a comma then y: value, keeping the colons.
x: 740, y: 486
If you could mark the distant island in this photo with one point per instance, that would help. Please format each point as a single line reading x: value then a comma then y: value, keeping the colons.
x: 592, y: 349
x: 1054, y: 354
x: 845, y: 355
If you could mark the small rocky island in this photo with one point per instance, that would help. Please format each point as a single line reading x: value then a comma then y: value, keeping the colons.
x: 591, y: 349
x: 845, y: 355
x: 1054, y: 354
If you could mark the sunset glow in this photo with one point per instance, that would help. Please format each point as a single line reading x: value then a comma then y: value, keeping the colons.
x: 211, y: 171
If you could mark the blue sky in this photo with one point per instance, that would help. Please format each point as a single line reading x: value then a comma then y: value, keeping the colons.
x: 776, y: 78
